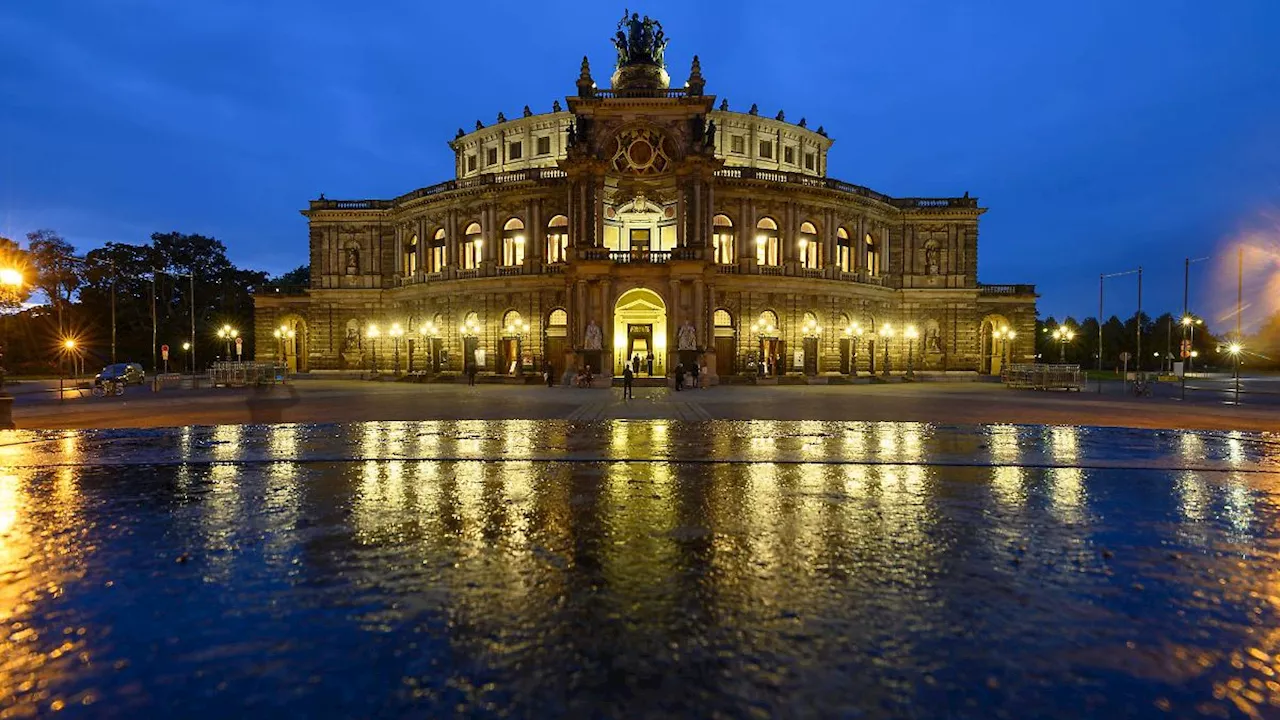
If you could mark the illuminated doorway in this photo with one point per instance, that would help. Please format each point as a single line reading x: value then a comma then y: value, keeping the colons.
x: 640, y: 327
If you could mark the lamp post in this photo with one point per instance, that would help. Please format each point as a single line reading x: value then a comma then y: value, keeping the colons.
x: 1063, y: 335
x: 283, y: 334
x: 853, y: 333
x: 429, y: 333
x: 812, y: 331
x: 1235, y: 349
x: 69, y: 345
x: 886, y: 332
x: 763, y: 331
x: 186, y: 351
x: 372, y: 333
x: 228, y: 335
x: 396, y: 332
x: 911, y: 334
x: 10, y: 282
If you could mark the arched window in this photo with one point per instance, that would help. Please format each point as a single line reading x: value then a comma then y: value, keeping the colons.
x: 873, y: 256
x: 557, y: 323
x: 809, y: 247
x: 723, y: 323
x: 722, y: 244
x: 558, y: 239
x: 768, y: 246
x: 436, y: 255
x: 512, y: 323
x: 513, y: 242
x: 844, y: 251
x: 766, y: 324
x: 809, y: 325
x: 410, y: 265
x: 470, y: 325
x: 472, y: 247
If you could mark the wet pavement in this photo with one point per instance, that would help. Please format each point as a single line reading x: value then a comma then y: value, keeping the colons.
x: 640, y: 569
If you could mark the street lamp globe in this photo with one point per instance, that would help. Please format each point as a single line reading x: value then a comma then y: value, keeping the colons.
x: 11, y: 277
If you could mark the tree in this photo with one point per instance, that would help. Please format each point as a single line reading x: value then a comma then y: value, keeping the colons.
x: 56, y: 270
x: 297, y: 277
x: 13, y: 257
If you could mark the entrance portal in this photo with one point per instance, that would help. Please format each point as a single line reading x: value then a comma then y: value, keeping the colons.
x: 640, y: 328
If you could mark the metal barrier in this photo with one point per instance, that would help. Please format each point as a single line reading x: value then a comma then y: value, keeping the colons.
x: 1044, y: 377
x: 240, y: 374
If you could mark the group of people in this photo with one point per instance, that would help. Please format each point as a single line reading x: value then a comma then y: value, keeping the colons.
x: 689, y: 377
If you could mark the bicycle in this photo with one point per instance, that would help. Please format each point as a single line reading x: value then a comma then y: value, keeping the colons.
x: 108, y: 387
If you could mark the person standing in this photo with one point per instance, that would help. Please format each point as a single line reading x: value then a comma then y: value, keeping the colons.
x: 695, y: 376
x: 628, y: 376
x: 649, y: 364
x: 679, y: 376
x: 702, y: 375
x: 549, y: 372
x: 471, y: 374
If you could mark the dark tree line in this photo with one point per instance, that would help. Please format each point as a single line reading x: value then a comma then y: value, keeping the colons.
x: 1161, y: 337
x: 141, y: 285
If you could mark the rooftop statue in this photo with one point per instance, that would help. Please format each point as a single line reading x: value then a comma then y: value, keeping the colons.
x: 640, y: 42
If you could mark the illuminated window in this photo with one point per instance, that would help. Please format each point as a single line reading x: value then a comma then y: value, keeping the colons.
x: 411, y: 257
x: 722, y: 240
x: 544, y: 145
x: 789, y: 155
x: 809, y: 247
x: 844, y: 251
x: 873, y: 256
x: 472, y: 247
x: 558, y: 323
x: 723, y: 323
x: 436, y: 255
x: 557, y: 239
x: 513, y: 242
x: 766, y: 149
x: 492, y: 158
x: 768, y: 244
x: 767, y: 324
x: 738, y: 144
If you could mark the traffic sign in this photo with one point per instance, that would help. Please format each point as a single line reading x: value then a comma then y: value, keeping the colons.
x: 164, y: 352
x: 1186, y: 348
x: 1125, y: 357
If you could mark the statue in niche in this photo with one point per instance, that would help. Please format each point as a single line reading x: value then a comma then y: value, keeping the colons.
x: 931, y: 259
x: 933, y: 341
x: 571, y: 139
x: 711, y: 133
x: 594, y: 337
x: 353, y: 261
x: 351, y: 342
x: 687, y: 339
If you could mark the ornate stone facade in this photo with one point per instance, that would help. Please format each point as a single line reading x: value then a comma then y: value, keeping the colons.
x: 659, y: 221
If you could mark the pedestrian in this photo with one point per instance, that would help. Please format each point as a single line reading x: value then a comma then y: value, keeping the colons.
x: 471, y: 374
x: 649, y: 365
x: 628, y: 392
x: 549, y: 373
x: 702, y: 376
x: 679, y: 376
x: 635, y: 363
x: 695, y: 375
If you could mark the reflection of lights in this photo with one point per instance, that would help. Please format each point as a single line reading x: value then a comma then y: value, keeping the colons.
x: 9, y: 501
x: 1064, y: 444
x: 1004, y: 445
x: 1066, y: 490
x: 1007, y: 485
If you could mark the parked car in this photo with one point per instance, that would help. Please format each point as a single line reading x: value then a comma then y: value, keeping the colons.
x: 127, y: 373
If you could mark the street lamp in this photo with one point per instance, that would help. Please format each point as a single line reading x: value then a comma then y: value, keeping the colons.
x: 283, y: 334
x: 886, y: 333
x: 763, y: 330
x: 69, y: 345
x: 1235, y: 349
x: 11, y: 282
x: 372, y: 333
x: 853, y: 333
x: 911, y: 334
x: 186, y: 349
x: 430, y: 333
x: 396, y: 332
x: 518, y: 331
x: 1063, y: 335
x: 228, y: 334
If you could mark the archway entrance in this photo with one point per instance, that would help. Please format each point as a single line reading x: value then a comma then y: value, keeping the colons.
x: 291, y: 343
x: 640, y: 332
x: 993, y: 349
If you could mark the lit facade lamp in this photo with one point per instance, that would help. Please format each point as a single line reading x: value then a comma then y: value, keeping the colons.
x: 1063, y: 335
x: 186, y: 351
x: 853, y: 333
x: 373, y: 333
x: 396, y: 332
x: 1189, y: 324
x: 519, y: 331
x: 1235, y: 349
x: 886, y: 333
x: 911, y: 334
x: 11, y: 280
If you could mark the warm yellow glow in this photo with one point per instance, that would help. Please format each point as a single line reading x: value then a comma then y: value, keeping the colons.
x: 911, y: 332
x: 372, y: 331
x: 1235, y: 348
x: 69, y: 344
x: 519, y: 239
x: 1186, y: 320
x: 886, y: 330
x: 186, y: 346
x: 10, y: 276
x: 760, y: 240
x: 396, y: 330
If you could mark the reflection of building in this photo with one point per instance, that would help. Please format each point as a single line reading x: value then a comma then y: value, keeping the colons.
x: 639, y: 212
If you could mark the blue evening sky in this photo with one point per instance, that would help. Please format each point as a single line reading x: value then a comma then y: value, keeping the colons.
x: 1102, y: 134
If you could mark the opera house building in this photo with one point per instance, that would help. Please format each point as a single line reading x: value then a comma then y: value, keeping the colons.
x: 645, y: 223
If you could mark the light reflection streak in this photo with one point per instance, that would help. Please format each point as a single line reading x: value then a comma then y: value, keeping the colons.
x: 1008, y: 484
x: 1064, y: 444
x: 1067, y: 494
x: 1004, y: 445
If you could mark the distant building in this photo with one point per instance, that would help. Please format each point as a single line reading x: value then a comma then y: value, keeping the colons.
x: 643, y: 220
